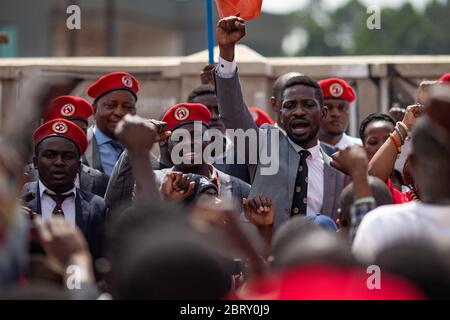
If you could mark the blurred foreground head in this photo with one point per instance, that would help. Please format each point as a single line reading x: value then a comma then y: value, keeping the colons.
x: 420, y: 263
x: 429, y: 163
x: 157, y: 256
x: 380, y: 192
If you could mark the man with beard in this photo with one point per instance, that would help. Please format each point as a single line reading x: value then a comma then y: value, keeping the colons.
x: 305, y: 183
x: 337, y: 97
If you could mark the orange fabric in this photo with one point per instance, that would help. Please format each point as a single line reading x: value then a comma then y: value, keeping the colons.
x: 246, y: 9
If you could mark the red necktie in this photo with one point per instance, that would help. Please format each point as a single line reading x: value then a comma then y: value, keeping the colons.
x: 59, y: 199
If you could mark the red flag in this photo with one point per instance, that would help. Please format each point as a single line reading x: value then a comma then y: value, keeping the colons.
x: 246, y: 9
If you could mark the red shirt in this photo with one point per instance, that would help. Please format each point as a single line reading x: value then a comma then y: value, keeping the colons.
x: 398, y: 197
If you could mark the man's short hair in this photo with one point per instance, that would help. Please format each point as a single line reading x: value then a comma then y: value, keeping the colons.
x: 305, y: 81
x: 280, y: 82
x: 379, y: 190
x: 201, y: 91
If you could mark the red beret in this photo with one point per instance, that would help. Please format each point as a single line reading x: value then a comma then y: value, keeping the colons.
x: 114, y: 81
x: 186, y: 112
x: 62, y: 128
x: 260, y: 116
x: 445, y: 78
x: 334, y: 88
x: 68, y: 107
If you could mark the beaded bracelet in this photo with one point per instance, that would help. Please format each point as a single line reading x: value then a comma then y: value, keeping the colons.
x: 391, y: 135
x: 404, y: 127
x: 402, y: 139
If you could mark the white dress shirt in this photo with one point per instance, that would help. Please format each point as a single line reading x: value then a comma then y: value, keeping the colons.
x: 226, y: 69
x: 411, y: 221
x: 48, y: 204
x: 315, y: 178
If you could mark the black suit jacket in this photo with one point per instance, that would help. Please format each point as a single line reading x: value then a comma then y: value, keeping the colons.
x: 90, y: 214
x: 91, y: 180
x: 91, y: 157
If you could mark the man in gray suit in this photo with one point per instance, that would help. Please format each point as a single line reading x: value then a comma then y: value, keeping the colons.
x: 89, y: 179
x: 298, y: 148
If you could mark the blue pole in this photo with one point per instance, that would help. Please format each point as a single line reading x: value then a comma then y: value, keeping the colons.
x: 209, y: 24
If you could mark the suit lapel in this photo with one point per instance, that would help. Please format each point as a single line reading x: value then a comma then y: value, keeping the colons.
x: 35, y: 203
x: 288, y: 177
x: 329, y: 185
x: 97, y: 164
x: 86, y: 180
x: 81, y: 212
x: 294, y: 159
x: 92, y: 154
x: 226, y: 185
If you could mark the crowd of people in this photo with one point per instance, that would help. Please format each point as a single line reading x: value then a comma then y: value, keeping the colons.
x: 91, y: 212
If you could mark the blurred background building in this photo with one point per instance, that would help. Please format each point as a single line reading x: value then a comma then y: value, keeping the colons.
x: 163, y: 43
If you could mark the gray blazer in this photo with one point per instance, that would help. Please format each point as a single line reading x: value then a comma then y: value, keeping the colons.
x: 279, y: 186
x: 91, y: 157
x: 121, y: 183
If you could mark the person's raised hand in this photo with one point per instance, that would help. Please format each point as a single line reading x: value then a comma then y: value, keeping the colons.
x: 229, y: 31
x: 60, y: 240
x: 352, y: 161
x: 137, y: 134
x: 412, y: 113
x: 259, y: 211
x: 397, y: 113
x: 161, y: 133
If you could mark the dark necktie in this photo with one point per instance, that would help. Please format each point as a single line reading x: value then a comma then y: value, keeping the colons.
x: 117, y: 146
x: 300, y: 198
x: 59, y: 199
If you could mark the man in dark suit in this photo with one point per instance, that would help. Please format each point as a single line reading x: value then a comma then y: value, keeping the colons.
x: 305, y: 183
x: 78, y: 111
x: 58, y: 146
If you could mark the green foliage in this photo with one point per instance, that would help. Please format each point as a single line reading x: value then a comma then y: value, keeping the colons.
x: 404, y: 30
